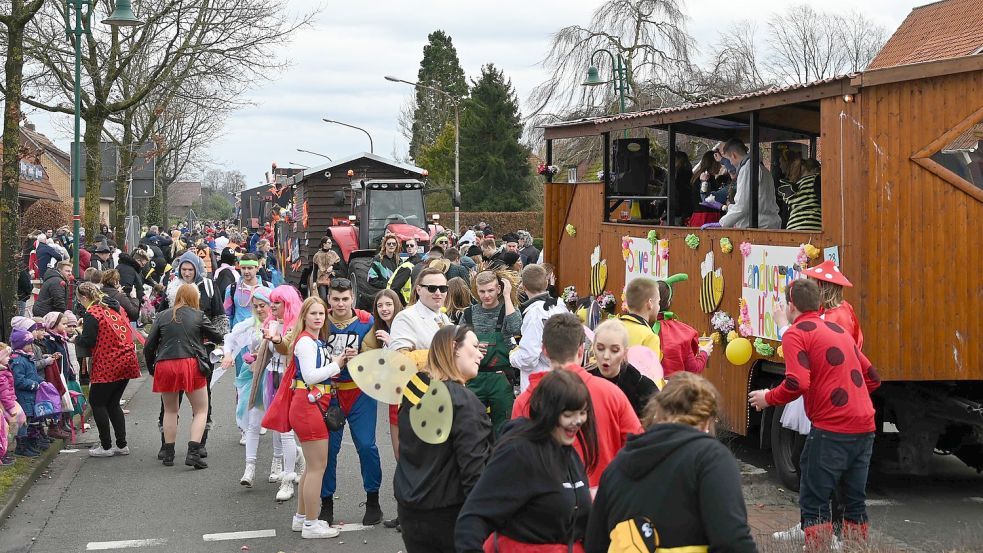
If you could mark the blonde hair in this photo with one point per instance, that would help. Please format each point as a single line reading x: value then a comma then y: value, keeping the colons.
x: 301, y: 325
x: 613, y: 326
x: 487, y: 276
x: 687, y: 399
x: 830, y: 294
x: 458, y: 296
x: 441, y: 361
x: 640, y: 291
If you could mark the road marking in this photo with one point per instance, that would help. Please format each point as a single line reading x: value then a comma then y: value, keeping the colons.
x: 882, y: 503
x: 240, y: 535
x: 122, y: 544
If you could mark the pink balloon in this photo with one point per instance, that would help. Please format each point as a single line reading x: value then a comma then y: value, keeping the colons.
x: 646, y: 361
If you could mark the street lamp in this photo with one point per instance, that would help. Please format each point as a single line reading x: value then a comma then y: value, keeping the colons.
x: 313, y: 153
x: 620, y: 80
x: 122, y: 16
x: 371, y: 147
x: 457, y: 144
x: 301, y: 165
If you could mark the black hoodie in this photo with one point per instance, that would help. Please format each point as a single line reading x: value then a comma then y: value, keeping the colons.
x: 684, y: 481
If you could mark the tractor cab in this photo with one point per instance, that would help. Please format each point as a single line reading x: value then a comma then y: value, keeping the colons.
x: 391, y: 206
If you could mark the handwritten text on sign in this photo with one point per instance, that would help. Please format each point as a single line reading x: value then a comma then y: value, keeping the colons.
x: 767, y: 272
x: 646, y: 259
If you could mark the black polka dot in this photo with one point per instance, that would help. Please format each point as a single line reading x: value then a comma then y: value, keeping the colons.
x: 399, y: 390
x: 378, y: 386
x: 792, y: 383
x: 423, y: 424
x: 439, y: 431
x: 382, y: 361
x: 418, y: 406
x: 839, y: 397
x: 440, y: 409
x: 857, y: 378
x: 872, y: 374
x: 807, y: 326
x: 834, y: 356
x: 359, y: 368
x: 803, y: 359
x: 835, y: 327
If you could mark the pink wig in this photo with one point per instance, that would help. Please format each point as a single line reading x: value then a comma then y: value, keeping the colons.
x: 290, y: 298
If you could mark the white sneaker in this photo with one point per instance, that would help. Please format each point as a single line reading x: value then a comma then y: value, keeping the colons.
x: 319, y: 529
x: 794, y: 533
x: 276, y: 469
x: 100, y: 452
x: 248, y: 475
x: 297, y: 524
x: 262, y: 431
x: 242, y: 437
x: 125, y: 450
x: 286, y: 490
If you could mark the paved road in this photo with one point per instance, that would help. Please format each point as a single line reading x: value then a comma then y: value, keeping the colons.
x: 84, y: 502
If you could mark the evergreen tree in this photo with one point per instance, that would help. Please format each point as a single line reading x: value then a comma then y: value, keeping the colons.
x: 494, y: 164
x: 438, y: 159
x: 440, y: 69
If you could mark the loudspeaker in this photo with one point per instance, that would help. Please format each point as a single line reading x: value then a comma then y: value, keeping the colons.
x: 630, y: 167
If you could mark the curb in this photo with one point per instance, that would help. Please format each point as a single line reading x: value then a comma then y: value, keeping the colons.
x: 45, y: 459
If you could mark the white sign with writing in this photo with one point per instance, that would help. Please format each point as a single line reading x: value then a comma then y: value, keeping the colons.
x: 646, y: 259
x: 768, y: 270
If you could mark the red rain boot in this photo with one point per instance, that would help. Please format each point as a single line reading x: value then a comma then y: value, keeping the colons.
x: 819, y: 537
x: 855, y: 532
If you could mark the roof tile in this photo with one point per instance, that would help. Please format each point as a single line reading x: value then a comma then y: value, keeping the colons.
x: 945, y: 29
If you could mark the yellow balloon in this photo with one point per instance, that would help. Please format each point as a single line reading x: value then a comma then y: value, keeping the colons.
x: 739, y: 351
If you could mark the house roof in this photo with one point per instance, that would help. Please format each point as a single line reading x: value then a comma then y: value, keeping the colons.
x: 183, y: 193
x: 34, y: 188
x: 941, y: 30
x: 967, y: 141
x: 354, y: 157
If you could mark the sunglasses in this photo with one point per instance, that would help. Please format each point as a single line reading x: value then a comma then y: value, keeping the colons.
x: 434, y: 288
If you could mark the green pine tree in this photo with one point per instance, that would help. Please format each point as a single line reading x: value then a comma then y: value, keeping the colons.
x: 440, y: 69
x: 438, y: 159
x: 494, y: 164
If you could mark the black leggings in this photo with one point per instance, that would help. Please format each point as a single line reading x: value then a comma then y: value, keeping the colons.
x: 430, y: 530
x: 104, y: 400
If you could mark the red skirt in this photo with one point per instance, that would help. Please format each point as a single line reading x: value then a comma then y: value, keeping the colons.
x: 305, y: 418
x: 394, y: 415
x: 178, y: 375
x: 497, y: 543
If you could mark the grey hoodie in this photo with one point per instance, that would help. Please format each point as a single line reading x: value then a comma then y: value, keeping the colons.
x: 187, y: 257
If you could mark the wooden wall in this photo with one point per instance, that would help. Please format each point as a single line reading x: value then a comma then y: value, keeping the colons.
x: 921, y: 287
x: 580, y: 205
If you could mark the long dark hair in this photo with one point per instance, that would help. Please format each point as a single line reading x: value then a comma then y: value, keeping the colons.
x: 558, y: 391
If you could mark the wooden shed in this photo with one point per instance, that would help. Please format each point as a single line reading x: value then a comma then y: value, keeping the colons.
x: 902, y: 208
x: 322, y: 196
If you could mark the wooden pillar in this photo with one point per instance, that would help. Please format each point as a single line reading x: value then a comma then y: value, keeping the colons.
x: 670, y: 211
x: 755, y: 169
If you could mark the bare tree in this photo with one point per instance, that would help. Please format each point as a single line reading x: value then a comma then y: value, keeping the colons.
x: 15, y: 18
x: 862, y: 39
x: 230, y: 41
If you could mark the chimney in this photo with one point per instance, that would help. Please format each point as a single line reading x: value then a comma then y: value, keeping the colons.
x: 30, y: 126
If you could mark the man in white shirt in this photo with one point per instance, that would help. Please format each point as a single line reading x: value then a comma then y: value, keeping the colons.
x: 529, y: 357
x: 739, y: 213
x: 414, y: 327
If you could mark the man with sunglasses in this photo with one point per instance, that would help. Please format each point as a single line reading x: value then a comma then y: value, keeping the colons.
x: 414, y: 327
x: 348, y: 328
x: 401, y: 281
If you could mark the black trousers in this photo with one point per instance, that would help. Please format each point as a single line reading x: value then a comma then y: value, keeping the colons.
x: 104, y: 400
x: 430, y: 530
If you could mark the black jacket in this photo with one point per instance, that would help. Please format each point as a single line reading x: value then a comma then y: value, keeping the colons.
x: 126, y: 302
x: 529, y: 255
x: 225, y: 279
x: 685, y: 482
x: 522, y: 496
x: 53, y: 295
x: 180, y: 338
x: 435, y: 476
x: 24, y: 286
x: 130, y: 276
x: 637, y: 387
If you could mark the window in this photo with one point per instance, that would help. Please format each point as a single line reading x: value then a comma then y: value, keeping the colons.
x: 963, y: 155
x: 572, y: 173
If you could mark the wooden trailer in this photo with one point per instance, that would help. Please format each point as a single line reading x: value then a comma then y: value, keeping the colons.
x: 902, y: 209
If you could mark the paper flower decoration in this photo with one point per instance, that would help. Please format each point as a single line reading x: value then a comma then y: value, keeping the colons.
x: 600, y: 176
x: 547, y: 170
x: 625, y: 247
x: 732, y: 335
x: 780, y: 352
x: 715, y: 338
x: 606, y: 301
x: 763, y: 348
x: 725, y: 245
x: 571, y: 230
x: 693, y: 241
x: 744, y: 320
x: 722, y: 322
x: 663, y: 249
x: 812, y: 251
x: 653, y: 237
x: 569, y: 294
x: 745, y: 249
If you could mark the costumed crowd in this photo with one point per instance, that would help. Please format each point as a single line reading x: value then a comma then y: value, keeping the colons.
x: 543, y: 436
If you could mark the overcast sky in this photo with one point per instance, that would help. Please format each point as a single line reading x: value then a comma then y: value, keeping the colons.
x: 336, y: 68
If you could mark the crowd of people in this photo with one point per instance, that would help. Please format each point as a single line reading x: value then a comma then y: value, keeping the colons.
x: 557, y: 442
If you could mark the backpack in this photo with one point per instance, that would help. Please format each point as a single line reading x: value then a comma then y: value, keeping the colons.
x: 47, y: 401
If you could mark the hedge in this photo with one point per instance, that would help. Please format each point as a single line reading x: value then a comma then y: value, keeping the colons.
x: 501, y: 222
x: 43, y: 215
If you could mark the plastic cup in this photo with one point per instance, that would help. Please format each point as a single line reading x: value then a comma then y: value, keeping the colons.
x: 274, y: 328
x: 705, y: 340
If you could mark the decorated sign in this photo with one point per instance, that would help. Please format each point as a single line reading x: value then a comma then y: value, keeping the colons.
x: 711, y: 285
x: 768, y: 270
x: 645, y: 259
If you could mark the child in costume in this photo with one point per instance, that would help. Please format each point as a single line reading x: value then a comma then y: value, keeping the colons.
x: 11, y: 415
x: 681, y: 348
x: 30, y: 439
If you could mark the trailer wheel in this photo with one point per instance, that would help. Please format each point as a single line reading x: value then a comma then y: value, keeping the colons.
x: 786, y: 448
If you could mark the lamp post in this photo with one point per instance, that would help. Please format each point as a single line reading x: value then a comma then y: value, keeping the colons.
x: 313, y: 153
x: 301, y: 165
x: 122, y: 16
x: 371, y: 147
x: 620, y: 80
x: 457, y: 144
